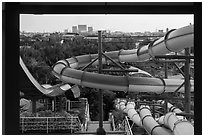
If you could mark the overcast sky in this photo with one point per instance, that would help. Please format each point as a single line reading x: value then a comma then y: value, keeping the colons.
x: 116, y: 22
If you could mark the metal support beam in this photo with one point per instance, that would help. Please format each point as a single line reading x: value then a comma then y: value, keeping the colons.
x: 174, y: 57
x: 166, y: 69
x: 100, y: 130
x: 165, y: 106
x: 117, y: 64
x: 89, y: 64
x: 168, y: 61
x: 187, y: 82
x: 179, y: 69
x: 115, y: 70
x: 34, y: 106
x: 179, y: 87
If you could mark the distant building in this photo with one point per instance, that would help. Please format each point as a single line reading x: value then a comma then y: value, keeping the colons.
x: 74, y: 29
x: 69, y: 36
x: 90, y: 29
x: 82, y: 28
x: 66, y: 31
x: 161, y: 31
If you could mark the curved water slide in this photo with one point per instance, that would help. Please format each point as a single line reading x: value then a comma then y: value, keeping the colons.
x: 45, y: 89
x: 170, y: 107
x: 165, y: 125
x: 143, y: 118
x: 175, y: 40
x: 177, y: 126
x: 149, y: 123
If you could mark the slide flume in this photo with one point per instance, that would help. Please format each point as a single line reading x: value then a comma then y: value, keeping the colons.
x: 143, y: 118
x: 45, y: 88
x: 176, y: 40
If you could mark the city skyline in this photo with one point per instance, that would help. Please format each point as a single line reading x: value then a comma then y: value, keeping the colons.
x: 111, y: 22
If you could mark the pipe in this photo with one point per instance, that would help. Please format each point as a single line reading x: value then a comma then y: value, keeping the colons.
x: 122, y: 106
x: 172, y: 108
x: 177, y: 126
x: 149, y: 124
x: 175, y: 40
x: 132, y: 113
x: 160, y: 120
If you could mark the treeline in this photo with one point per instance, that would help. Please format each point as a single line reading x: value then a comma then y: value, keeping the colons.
x: 39, y: 56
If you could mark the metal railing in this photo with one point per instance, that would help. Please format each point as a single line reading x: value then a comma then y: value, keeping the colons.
x: 126, y: 126
x: 70, y: 124
x: 87, y: 118
x: 111, y: 118
x: 74, y: 104
x: 70, y: 105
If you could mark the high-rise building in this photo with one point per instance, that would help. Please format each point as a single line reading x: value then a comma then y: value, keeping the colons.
x: 74, y: 29
x: 82, y: 28
x: 90, y: 29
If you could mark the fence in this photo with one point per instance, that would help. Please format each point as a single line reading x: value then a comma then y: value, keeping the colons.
x: 70, y: 124
x: 84, y: 106
x: 75, y: 104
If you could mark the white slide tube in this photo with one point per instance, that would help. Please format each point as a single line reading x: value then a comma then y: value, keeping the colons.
x: 177, y: 126
x: 132, y: 113
x: 149, y: 123
x: 129, y: 109
x: 144, y: 119
x: 172, y: 108
x: 122, y: 105
x: 175, y: 40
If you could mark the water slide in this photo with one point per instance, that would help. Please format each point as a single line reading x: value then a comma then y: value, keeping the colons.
x: 172, y: 123
x: 170, y: 107
x: 67, y: 70
x: 46, y: 88
x: 178, y: 124
x: 143, y: 118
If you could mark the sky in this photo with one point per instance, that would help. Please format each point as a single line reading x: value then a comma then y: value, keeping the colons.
x: 116, y: 22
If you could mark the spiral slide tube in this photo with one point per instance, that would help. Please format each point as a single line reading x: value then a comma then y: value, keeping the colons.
x: 122, y: 106
x: 45, y: 89
x: 132, y: 114
x: 170, y: 108
x: 149, y: 124
x: 129, y: 109
x: 177, y: 126
x: 176, y: 40
x: 144, y: 120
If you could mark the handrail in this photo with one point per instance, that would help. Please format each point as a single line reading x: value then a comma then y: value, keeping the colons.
x: 86, y: 117
x: 129, y: 131
x: 113, y: 122
x: 86, y: 114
